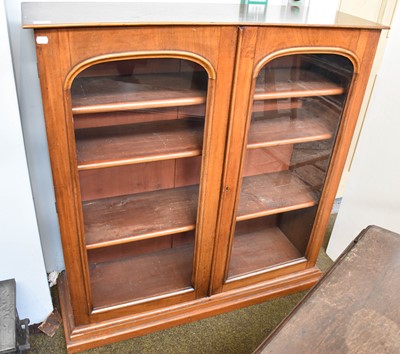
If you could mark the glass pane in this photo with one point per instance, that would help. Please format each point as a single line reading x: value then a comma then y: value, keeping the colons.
x: 297, y: 107
x: 139, y: 127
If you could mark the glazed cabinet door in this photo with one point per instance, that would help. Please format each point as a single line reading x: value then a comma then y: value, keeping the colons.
x: 280, y: 182
x: 144, y: 162
x: 139, y: 134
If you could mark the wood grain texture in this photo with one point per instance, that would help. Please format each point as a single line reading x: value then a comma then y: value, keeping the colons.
x: 355, y: 306
x: 58, y: 134
x: 315, y: 121
x: 139, y: 178
x: 134, y: 217
x: 130, y: 179
x: 138, y: 143
x: 235, y: 148
x: 188, y: 171
x: 273, y: 193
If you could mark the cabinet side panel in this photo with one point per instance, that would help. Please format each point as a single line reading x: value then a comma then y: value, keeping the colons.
x: 53, y: 64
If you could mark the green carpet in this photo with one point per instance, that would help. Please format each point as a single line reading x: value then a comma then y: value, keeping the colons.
x: 236, y: 332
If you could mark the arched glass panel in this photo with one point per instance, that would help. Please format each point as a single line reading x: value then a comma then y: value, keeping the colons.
x: 139, y: 127
x: 298, y: 103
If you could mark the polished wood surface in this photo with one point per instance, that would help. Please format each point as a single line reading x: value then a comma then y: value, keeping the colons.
x: 112, y: 94
x: 105, y: 119
x: 354, y: 308
x: 48, y: 15
x: 307, y: 84
x: 62, y: 146
x: 131, y: 213
x: 314, y: 172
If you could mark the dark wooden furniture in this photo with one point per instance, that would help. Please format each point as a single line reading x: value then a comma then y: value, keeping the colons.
x: 14, y: 333
x: 354, y: 308
x: 196, y: 151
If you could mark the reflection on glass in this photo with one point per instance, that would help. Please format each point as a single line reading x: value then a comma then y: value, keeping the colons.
x: 297, y: 106
x: 139, y: 127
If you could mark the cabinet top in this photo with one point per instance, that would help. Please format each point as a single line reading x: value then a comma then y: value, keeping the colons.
x: 104, y: 14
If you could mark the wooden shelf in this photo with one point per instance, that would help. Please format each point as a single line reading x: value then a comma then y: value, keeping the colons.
x: 135, y: 217
x: 123, y: 219
x: 261, y: 249
x: 137, y: 143
x: 281, y: 84
x: 122, y: 93
x: 314, y: 121
x: 273, y: 193
x: 306, y: 156
x: 313, y: 175
x: 142, y: 276
x: 273, y: 105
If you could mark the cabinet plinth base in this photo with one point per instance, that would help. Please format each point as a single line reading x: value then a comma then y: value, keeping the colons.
x: 79, y: 338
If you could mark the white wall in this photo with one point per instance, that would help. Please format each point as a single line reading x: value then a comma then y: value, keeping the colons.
x: 30, y: 104
x: 372, y: 193
x: 380, y: 11
x: 20, y: 250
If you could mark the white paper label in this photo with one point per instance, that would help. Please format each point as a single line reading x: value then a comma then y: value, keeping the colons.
x: 42, y: 40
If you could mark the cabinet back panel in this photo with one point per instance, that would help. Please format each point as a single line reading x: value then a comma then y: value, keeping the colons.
x: 267, y: 160
x: 130, y: 179
x: 139, y: 178
x: 124, y: 117
x: 127, y: 250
